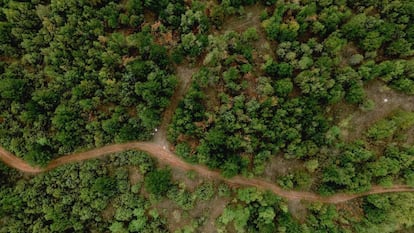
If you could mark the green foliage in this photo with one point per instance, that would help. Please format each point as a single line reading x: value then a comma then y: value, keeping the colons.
x: 77, y: 79
x: 312, y: 165
x: 182, y: 198
x: 400, y: 47
x: 281, y: 70
x: 386, y: 128
x: 323, y: 218
x: 344, y: 173
x: 192, y: 45
x: 283, y: 87
x: 92, y: 196
x: 104, y: 185
x: 194, y: 19
x: 386, y: 213
x: 355, y: 93
x: 205, y: 192
x: 280, y: 30
x: 234, y: 122
x: 254, y: 211
x: 12, y: 89
x: 299, y: 180
x: 158, y: 182
x: 250, y: 35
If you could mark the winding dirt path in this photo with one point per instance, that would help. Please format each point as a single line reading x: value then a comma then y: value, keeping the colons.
x: 168, y: 157
x: 158, y: 148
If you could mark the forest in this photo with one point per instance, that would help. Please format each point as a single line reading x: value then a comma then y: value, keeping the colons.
x: 314, y: 96
x: 245, y: 107
x: 75, y: 77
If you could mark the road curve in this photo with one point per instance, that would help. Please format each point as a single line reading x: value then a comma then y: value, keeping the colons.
x: 173, y: 160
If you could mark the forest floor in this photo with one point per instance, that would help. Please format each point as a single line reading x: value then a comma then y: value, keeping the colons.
x: 178, y: 218
x: 251, y: 18
x: 355, y: 122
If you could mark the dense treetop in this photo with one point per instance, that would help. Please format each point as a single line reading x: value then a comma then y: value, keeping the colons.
x: 79, y: 74
x: 265, y: 92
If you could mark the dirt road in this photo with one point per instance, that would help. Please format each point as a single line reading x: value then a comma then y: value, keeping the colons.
x: 158, y: 148
x: 168, y: 157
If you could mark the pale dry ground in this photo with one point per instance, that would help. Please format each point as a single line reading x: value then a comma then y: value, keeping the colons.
x: 386, y: 100
x: 184, y: 74
x: 166, y: 156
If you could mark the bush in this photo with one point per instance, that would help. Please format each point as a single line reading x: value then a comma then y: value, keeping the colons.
x: 158, y: 182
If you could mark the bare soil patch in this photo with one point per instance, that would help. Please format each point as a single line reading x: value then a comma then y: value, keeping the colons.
x: 184, y: 74
x: 251, y: 18
x: 173, y: 214
x: 181, y: 176
x: 298, y: 210
x: 354, y: 122
x: 352, y: 209
x: 410, y: 137
x: 134, y: 175
x: 178, y: 218
x: 215, y: 208
x: 109, y: 212
x: 279, y: 166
